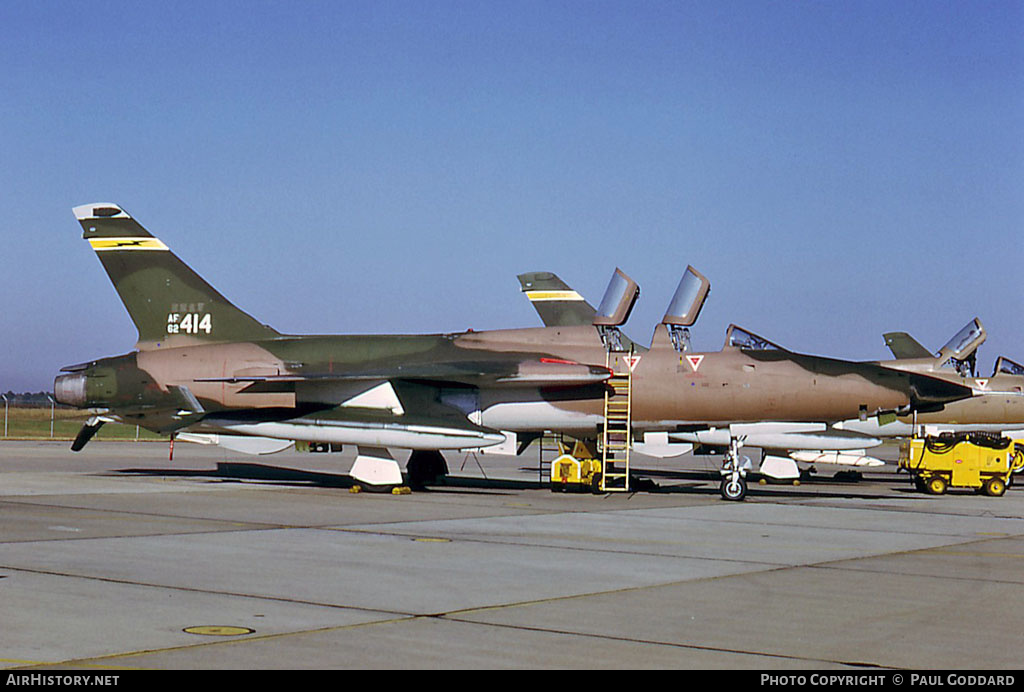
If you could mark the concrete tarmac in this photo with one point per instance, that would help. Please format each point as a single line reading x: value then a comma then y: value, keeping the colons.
x: 110, y: 556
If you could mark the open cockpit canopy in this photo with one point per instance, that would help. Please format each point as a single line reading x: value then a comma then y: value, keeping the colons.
x: 619, y: 299
x: 964, y: 342
x: 737, y: 337
x: 1005, y: 366
x: 692, y: 291
x: 961, y: 352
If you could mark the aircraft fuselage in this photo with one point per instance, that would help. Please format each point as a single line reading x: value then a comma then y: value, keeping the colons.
x: 670, y: 389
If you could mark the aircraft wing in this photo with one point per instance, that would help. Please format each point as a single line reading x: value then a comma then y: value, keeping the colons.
x: 398, y: 405
x: 542, y: 372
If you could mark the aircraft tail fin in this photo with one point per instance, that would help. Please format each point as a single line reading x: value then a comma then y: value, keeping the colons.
x: 556, y: 303
x: 169, y: 303
x: 904, y: 346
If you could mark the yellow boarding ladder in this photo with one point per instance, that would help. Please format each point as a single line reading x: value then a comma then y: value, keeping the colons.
x: 618, y: 436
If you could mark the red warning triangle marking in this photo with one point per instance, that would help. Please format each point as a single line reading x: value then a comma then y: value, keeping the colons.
x: 982, y: 383
x: 631, y: 361
x: 695, y: 361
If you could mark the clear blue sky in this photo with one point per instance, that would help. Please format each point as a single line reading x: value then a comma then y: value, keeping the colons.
x: 838, y: 169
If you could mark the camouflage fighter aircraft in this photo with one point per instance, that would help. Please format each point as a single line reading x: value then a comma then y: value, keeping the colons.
x: 781, y: 443
x: 202, y: 365
x: 997, y: 405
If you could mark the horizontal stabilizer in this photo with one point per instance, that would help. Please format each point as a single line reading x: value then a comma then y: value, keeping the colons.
x: 91, y: 427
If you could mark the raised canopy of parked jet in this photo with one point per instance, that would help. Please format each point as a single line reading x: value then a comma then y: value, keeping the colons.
x: 997, y: 405
x: 203, y: 366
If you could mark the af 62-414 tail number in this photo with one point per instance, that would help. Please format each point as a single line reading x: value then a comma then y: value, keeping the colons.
x: 189, y: 323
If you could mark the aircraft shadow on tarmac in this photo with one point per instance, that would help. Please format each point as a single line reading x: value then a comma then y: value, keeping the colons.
x: 682, y: 482
x: 251, y: 472
x: 247, y: 472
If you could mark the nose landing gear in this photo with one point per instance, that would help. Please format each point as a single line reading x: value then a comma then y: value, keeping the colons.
x: 734, y: 472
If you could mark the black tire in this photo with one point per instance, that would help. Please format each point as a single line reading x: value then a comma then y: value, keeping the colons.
x: 595, y: 484
x: 426, y: 467
x: 733, y: 491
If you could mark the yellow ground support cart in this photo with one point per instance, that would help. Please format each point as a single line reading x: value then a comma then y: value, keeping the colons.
x: 983, y: 461
x: 579, y: 471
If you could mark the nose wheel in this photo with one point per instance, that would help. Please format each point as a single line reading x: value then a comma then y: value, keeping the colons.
x: 733, y: 489
x: 734, y: 473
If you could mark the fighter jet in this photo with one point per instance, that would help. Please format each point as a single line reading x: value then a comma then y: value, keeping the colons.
x: 782, y: 444
x: 998, y: 401
x: 204, y: 366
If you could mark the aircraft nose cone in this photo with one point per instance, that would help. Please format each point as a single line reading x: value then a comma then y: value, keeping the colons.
x: 70, y: 389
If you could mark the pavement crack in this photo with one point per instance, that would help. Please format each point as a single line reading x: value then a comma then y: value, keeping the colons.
x: 677, y: 645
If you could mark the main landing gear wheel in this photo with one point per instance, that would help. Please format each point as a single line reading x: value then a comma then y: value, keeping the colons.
x: 733, y: 489
x: 426, y: 467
